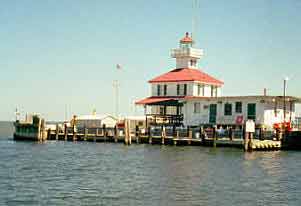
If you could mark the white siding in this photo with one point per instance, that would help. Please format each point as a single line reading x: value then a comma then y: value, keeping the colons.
x: 190, y: 118
x: 265, y: 112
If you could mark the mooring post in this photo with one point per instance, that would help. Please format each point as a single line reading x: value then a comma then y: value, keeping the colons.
x: 150, y: 139
x: 137, y: 134
x: 129, y: 131
x: 116, y: 133
x: 250, y: 141
x: 65, y: 132
x: 173, y: 130
x: 187, y: 131
x: 260, y: 133
x: 214, y: 136
x: 74, y: 133
x: 97, y: 132
x: 189, y: 136
x: 86, y: 134
x: 48, y: 134
x: 56, y: 131
x: 246, y: 141
x: 163, y: 134
x: 104, y: 132
x: 231, y: 134
x: 176, y: 138
x: 202, y: 134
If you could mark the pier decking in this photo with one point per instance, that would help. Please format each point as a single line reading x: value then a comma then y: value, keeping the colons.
x: 113, y: 135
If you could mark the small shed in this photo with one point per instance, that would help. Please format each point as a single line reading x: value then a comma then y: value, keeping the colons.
x: 95, y: 121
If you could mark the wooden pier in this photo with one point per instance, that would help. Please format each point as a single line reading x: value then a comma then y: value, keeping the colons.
x: 203, y: 137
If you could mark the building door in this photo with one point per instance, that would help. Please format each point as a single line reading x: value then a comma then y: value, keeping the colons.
x: 252, y: 111
x: 212, y: 113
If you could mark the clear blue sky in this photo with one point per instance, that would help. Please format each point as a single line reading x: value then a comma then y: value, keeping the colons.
x: 64, y: 52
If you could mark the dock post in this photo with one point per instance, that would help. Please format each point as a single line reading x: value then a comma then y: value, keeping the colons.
x: 74, y: 133
x: 246, y: 141
x: 126, y: 133
x: 97, y: 132
x: 163, y: 135
x: 250, y: 146
x: 150, y: 139
x: 202, y: 135
x: 48, y: 134
x: 56, y: 132
x: 173, y: 130
x: 86, y: 134
x: 189, y: 136
x: 261, y: 135
x: 65, y: 132
x: 231, y: 134
x: 115, y: 134
x: 214, y: 136
x: 104, y: 132
x: 187, y: 132
x: 177, y: 137
x: 137, y: 134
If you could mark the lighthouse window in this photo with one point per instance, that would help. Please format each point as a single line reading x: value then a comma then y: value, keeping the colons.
x: 193, y: 62
x: 238, y: 107
x: 197, y: 107
x: 228, y: 109
x: 158, y: 90
x: 178, y: 89
x: 213, y: 91
x: 201, y: 90
x: 185, y: 89
x: 165, y: 90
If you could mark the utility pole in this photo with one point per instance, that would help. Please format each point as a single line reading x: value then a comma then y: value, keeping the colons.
x: 284, y: 98
x: 116, y: 91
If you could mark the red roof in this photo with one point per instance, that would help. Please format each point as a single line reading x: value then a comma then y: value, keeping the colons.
x: 186, y: 74
x: 186, y: 39
x: 156, y: 99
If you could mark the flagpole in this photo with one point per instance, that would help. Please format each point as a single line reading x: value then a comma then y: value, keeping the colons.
x: 116, y: 88
x: 116, y: 91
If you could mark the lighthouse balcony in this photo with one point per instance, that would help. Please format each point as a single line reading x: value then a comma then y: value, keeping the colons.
x: 187, y: 52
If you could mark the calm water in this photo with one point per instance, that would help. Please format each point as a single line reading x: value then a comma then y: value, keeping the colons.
x: 66, y: 173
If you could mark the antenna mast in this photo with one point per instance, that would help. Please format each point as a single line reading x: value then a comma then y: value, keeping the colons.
x: 195, y: 19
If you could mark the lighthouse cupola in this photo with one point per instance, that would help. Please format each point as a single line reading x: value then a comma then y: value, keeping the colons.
x: 186, y: 56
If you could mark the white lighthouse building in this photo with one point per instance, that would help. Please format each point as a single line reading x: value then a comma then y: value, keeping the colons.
x: 188, y: 96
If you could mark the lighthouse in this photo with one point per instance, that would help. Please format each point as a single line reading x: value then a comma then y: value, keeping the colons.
x: 186, y: 55
x: 186, y: 95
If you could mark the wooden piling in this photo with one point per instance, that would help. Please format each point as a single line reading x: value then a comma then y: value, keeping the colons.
x: 189, y: 136
x: 202, y: 134
x: 250, y: 145
x: 231, y: 134
x: 86, y: 134
x: 214, y: 136
x: 246, y: 141
x: 74, y: 133
x: 116, y: 134
x: 48, y: 134
x: 65, y: 132
x: 104, y: 132
x: 150, y: 140
x: 56, y: 132
x: 137, y: 134
x: 163, y: 135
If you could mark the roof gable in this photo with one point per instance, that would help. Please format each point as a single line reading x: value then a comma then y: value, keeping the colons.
x: 186, y: 74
